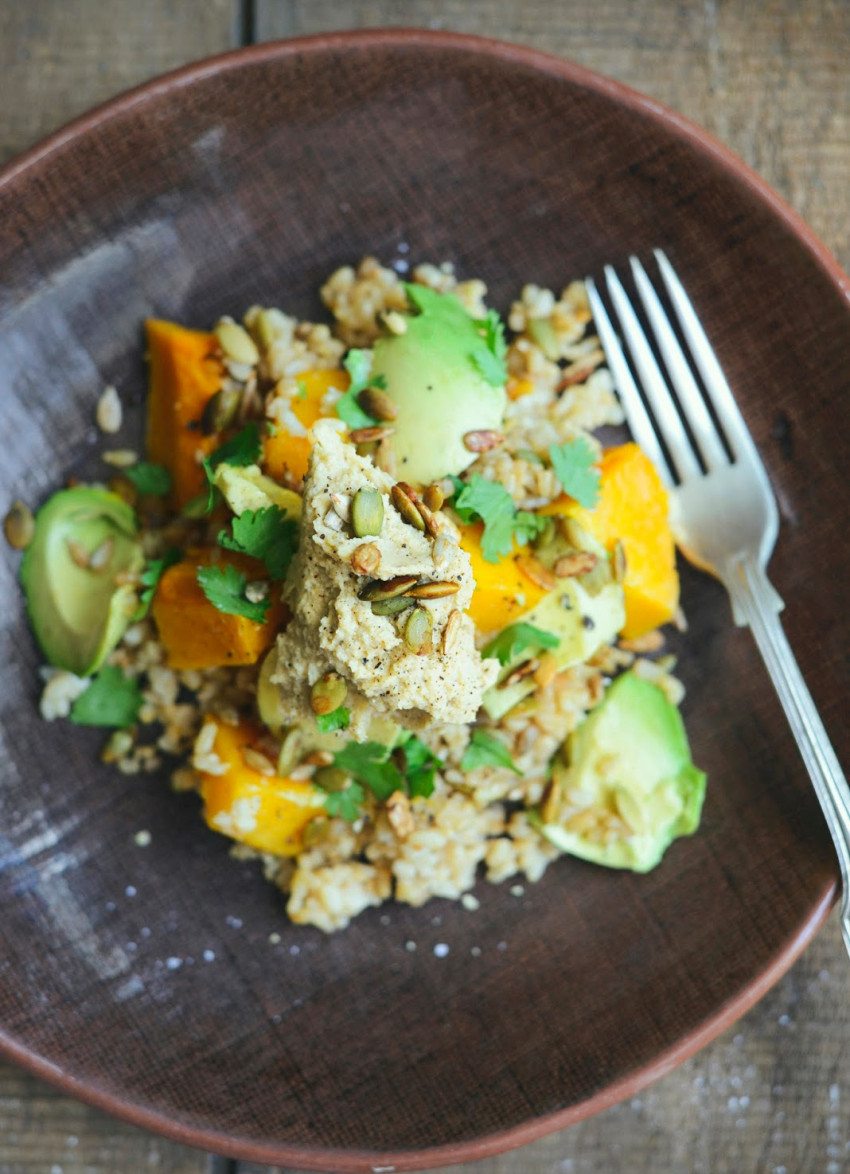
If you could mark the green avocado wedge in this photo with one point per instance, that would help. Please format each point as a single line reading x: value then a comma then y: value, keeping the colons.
x: 84, y: 538
x: 447, y: 377
x: 629, y: 787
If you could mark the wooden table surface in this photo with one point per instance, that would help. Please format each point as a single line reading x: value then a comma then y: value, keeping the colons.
x: 771, y: 79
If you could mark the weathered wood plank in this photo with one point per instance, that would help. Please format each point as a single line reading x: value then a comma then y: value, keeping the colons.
x: 41, y: 1130
x: 769, y: 79
x: 58, y: 58
x: 768, y: 1097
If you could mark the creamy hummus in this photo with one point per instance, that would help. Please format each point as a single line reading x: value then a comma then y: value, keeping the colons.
x: 332, y: 629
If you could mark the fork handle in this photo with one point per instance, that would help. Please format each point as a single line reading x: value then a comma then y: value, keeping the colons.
x: 752, y: 593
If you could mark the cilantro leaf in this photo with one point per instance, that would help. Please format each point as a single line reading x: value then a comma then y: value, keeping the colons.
x: 149, y: 579
x: 486, y: 750
x: 266, y: 534
x: 224, y: 587
x: 368, y: 763
x: 346, y: 804
x: 111, y: 700
x: 420, y: 767
x: 242, y: 449
x: 337, y: 719
x: 503, y: 522
x: 489, y: 358
x: 149, y: 478
x: 358, y: 364
x: 516, y: 638
x: 574, y: 465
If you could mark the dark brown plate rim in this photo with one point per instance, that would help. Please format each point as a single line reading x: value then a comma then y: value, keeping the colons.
x: 285, y: 1154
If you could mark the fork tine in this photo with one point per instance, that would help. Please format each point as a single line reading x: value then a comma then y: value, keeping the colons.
x: 690, y: 397
x: 654, y: 384
x: 639, y: 423
x: 715, y: 381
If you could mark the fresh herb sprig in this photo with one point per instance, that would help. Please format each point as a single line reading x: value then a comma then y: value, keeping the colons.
x: 358, y: 364
x: 381, y: 770
x: 485, y: 749
x: 574, y: 464
x: 516, y: 638
x: 224, y: 587
x: 489, y: 502
x: 149, y: 580
x: 265, y: 534
x: 150, y: 479
x: 112, y: 700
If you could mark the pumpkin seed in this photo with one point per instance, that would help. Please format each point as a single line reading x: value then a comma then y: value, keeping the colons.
x: 451, y: 632
x: 418, y: 629
x: 270, y: 325
x: 328, y: 694
x: 537, y: 573
x: 378, y: 590
x: 370, y: 435
x: 332, y: 778
x: 392, y: 607
x: 377, y: 404
x: 434, y: 590
x: 433, y: 498
x: 366, y: 559
x: 403, y: 498
x: 367, y: 512
x: 580, y: 562
x: 220, y: 411
x: 19, y: 525
x: 482, y: 440
x: 236, y: 342
x: 290, y: 751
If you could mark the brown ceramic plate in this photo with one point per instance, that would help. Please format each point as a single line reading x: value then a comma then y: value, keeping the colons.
x: 247, y: 179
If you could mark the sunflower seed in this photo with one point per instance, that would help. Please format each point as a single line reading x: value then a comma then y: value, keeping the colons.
x: 341, y: 503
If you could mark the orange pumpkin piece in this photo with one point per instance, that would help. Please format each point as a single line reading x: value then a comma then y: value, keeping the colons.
x: 633, y: 508
x: 285, y: 455
x: 266, y: 811
x: 184, y: 375
x: 503, y: 593
x: 195, y: 634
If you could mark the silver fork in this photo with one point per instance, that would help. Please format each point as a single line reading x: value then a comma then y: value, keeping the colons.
x: 725, y: 517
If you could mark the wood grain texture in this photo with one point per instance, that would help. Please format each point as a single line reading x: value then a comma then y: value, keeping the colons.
x: 770, y: 80
x: 59, y: 58
x: 43, y: 1132
x: 767, y: 77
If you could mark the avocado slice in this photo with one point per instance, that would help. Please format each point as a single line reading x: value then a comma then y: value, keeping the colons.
x: 446, y: 380
x: 582, y: 621
x: 246, y: 487
x: 84, y: 537
x: 629, y: 787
